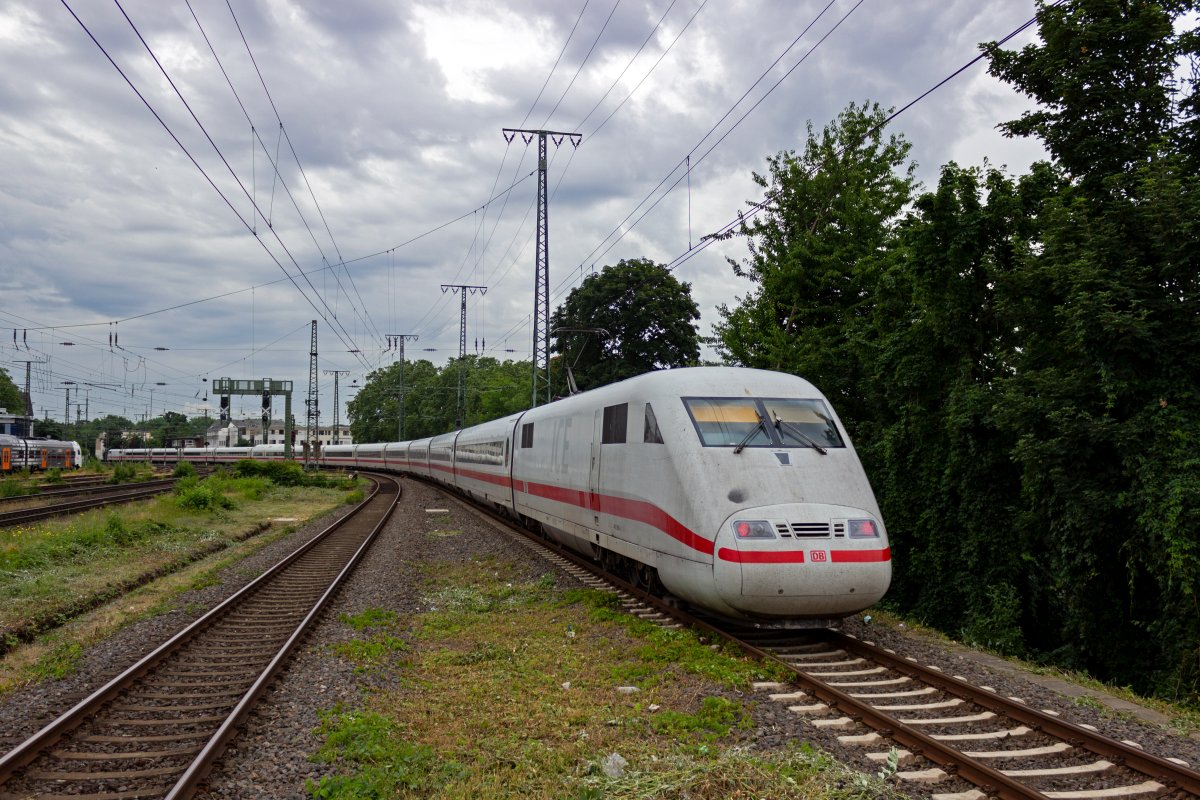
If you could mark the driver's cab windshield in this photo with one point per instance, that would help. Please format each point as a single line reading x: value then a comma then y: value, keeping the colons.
x: 762, y: 422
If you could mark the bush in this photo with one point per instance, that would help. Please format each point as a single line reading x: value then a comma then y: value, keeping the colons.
x: 281, y: 473
x: 124, y: 473
x: 54, y: 475
x: 193, y: 495
x: 184, y: 469
x: 15, y: 486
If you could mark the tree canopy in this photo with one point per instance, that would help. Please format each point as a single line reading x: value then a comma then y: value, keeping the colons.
x: 625, y: 320
x: 493, y: 389
x: 815, y: 252
x: 1018, y: 357
x: 11, y: 397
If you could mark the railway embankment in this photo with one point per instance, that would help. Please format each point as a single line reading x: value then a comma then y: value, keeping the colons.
x: 53, y: 571
x: 456, y: 664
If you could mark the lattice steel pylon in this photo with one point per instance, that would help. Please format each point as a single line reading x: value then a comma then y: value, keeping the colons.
x: 464, y: 289
x: 313, y: 420
x: 396, y: 341
x: 541, y: 269
x: 337, y: 419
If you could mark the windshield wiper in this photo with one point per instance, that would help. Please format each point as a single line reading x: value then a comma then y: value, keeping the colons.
x: 781, y: 425
x: 746, y: 439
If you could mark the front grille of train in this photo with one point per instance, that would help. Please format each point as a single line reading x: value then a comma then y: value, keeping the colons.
x: 806, y: 530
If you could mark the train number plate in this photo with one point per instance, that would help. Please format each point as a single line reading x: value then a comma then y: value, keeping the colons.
x: 816, y: 555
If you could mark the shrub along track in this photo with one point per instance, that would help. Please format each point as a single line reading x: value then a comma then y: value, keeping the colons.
x: 976, y: 743
x: 156, y: 729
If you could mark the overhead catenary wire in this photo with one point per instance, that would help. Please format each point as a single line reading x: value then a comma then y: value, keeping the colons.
x: 274, y: 161
x: 620, y: 231
x: 300, y: 166
x: 196, y: 163
x: 497, y: 280
x: 759, y: 206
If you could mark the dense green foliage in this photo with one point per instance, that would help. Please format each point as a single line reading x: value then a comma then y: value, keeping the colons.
x: 493, y: 389
x: 11, y: 397
x: 626, y: 320
x: 1017, y: 357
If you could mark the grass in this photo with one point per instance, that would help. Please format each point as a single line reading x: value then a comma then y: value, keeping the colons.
x: 510, y: 687
x: 50, y: 572
x: 55, y: 653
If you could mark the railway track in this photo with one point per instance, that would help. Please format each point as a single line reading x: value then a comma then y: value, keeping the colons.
x: 964, y: 742
x: 157, y: 728
x: 104, y: 496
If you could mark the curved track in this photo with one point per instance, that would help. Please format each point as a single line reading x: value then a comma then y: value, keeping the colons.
x: 997, y: 744
x: 156, y: 729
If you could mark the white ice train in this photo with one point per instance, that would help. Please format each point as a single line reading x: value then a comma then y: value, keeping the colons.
x: 735, y: 490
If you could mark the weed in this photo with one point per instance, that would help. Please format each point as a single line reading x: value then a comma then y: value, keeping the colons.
x: 124, y: 473
x: 59, y: 662
x: 387, y: 765
x: 55, y: 476
x: 184, y: 469
x: 16, y: 486
x: 370, y: 654
x: 371, y: 618
x: 717, y: 715
x: 510, y: 690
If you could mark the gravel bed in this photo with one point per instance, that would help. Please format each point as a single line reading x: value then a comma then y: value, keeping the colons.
x: 271, y: 757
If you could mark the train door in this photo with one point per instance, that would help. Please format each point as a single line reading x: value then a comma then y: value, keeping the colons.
x: 6, y: 459
x: 594, y: 472
x: 44, y: 458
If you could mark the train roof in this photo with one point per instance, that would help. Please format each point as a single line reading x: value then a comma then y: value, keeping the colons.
x: 699, y: 381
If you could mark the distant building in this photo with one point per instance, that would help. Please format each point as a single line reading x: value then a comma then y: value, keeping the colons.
x: 13, y: 424
x: 231, y: 432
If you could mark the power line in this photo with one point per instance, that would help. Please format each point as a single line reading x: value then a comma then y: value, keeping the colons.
x: 724, y: 230
x: 192, y: 158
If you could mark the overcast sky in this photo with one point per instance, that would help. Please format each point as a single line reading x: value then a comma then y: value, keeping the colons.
x: 122, y: 215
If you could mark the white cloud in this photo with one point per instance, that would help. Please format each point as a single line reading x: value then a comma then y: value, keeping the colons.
x: 394, y: 112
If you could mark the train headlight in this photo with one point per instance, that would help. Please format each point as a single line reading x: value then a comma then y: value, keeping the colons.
x: 863, y: 528
x: 753, y: 529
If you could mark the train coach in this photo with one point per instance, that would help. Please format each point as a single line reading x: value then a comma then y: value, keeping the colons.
x: 18, y: 453
x: 735, y: 490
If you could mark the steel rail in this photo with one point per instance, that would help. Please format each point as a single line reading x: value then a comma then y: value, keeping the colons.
x: 199, y: 768
x: 35, y: 745
x: 991, y: 781
x: 1162, y: 770
x: 125, y: 494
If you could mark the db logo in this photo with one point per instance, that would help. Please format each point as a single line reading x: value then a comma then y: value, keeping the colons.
x: 817, y: 555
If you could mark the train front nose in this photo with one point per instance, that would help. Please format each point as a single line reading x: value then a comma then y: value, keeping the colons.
x: 802, y: 560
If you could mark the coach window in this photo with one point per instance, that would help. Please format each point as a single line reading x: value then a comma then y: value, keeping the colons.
x: 527, y: 435
x: 650, y: 432
x: 615, y: 422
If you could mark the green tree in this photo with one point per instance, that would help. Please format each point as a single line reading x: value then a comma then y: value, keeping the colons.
x: 493, y: 389
x: 628, y: 319
x: 1102, y: 77
x: 48, y: 428
x: 1102, y: 397
x: 815, y: 254
x: 11, y: 397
